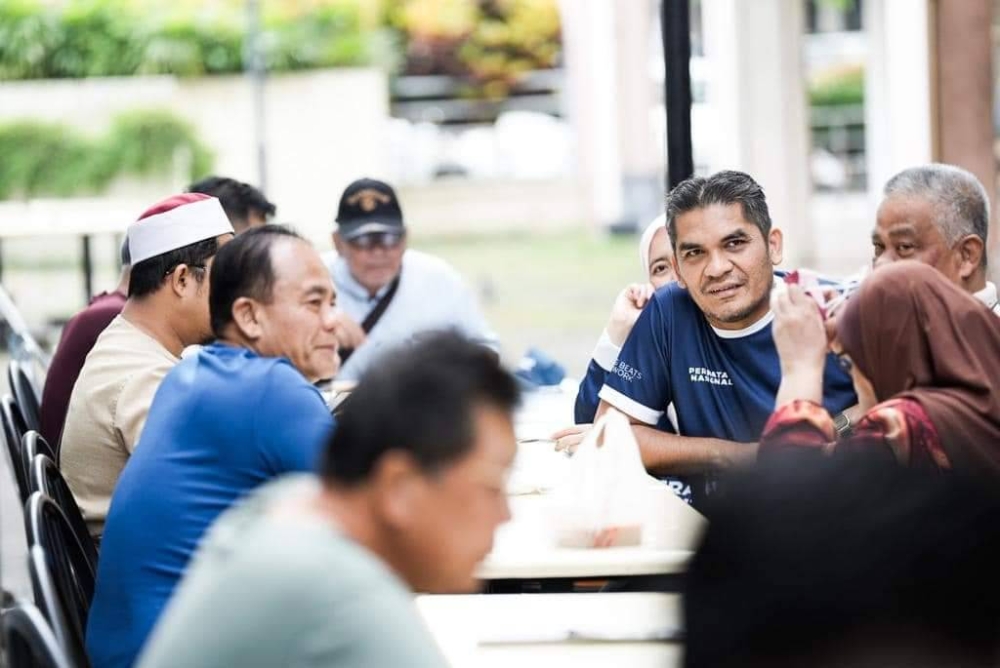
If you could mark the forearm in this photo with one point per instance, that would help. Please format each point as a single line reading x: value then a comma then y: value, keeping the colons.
x: 800, y: 384
x: 669, y: 453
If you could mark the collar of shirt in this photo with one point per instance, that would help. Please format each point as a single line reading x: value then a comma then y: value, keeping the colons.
x: 988, y: 295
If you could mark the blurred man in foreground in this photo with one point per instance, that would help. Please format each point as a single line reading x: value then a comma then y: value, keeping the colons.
x: 321, y: 573
x: 846, y: 561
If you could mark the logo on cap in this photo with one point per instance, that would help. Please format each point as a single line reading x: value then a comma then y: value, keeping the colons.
x: 368, y: 199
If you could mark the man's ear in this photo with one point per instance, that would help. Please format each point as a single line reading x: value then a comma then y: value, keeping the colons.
x: 338, y: 243
x: 180, y: 279
x: 775, y: 246
x: 970, y: 249
x: 245, y: 317
x: 396, y: 479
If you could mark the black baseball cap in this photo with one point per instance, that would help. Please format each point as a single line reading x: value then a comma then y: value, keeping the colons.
x: 368, y: 205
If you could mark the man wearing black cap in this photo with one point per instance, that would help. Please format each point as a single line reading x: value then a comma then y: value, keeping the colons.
x: 388, y: 293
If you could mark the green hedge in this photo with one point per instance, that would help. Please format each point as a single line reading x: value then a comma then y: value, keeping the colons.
x: 88, y: 38
x: 54, y: 160
x: 839, y: 86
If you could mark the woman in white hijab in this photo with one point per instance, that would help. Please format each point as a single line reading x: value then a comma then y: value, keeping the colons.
x: 656, y: 257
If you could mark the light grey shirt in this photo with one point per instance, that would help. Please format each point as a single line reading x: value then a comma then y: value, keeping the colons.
x: 269, y: 590
x: 431, y: 295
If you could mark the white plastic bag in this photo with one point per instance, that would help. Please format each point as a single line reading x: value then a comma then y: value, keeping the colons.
x: 600, y: 502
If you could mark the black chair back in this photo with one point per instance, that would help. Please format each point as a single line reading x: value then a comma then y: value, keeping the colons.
x: 29, y: 641
x: 45, y: 477
x: 61, y: 575
x: 13, y: 432
x: 33, y: 443
x: 25, y: 393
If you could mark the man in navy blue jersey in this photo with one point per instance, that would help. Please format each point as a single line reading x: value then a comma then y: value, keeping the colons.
x: 704, y: 343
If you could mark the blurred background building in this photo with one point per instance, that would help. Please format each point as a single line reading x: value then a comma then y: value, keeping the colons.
x: 519, y: 131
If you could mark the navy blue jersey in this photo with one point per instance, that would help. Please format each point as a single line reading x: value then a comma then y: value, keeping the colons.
x: 722, y: 383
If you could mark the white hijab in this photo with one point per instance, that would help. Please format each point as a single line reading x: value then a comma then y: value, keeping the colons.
x: 646, y: 241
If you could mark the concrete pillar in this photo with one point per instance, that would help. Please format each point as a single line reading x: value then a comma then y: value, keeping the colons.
x: 589, y: 47
x: 963, y: 90
x: 756, y: 92
x: 898, y: 120
x: 642, y: 157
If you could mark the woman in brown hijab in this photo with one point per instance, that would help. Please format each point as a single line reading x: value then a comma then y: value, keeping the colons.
x: 925, y: 358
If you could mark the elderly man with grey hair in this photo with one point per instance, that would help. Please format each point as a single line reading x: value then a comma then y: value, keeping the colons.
x: 939, y: 215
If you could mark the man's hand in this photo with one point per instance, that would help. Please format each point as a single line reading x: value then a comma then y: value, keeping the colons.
x: 349, y: 333
x: 626, y: 311
x: 569, y: 438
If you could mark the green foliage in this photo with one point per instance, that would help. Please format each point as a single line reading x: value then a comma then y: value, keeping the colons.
x: 87, y: 38
x: 51, y: 159
x: 491, y: 42
x: 148, y: 142
x: 840, y: 86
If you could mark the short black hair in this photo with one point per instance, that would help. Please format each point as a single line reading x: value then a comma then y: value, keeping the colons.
x: 815, y: 561
x: 124, y: 253
x: 151, y: 273
x: 725, y: 187
x: 243, y: 268
x: 420, y: 399
x: 238, y: 199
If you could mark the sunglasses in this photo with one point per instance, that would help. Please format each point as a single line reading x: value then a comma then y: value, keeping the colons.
x: 373, y: 239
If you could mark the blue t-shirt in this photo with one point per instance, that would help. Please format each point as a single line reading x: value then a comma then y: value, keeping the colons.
x: 722, y: 383
x: 222, y: 422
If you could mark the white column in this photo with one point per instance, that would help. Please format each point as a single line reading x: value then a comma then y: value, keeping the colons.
x: 642, y: 157
x: 589, y: 47
x: 898, y: 121
x: 757, y: 103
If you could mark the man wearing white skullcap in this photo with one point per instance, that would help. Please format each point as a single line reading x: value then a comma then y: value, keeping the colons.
x: 172, y: 246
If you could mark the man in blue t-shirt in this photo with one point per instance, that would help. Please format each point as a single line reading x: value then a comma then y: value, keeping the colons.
x: 704, y: 343
x: 236, y: 414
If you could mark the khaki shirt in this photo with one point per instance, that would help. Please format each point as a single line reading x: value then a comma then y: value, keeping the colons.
x: 107, y: 411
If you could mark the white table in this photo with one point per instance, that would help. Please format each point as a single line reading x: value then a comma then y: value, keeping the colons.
x: 525, y: 548
x: 525, y: 630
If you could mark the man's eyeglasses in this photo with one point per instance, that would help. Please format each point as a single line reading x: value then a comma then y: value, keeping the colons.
x: 373, y: 239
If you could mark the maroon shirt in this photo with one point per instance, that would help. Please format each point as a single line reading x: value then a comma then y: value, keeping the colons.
x: 78, y: 337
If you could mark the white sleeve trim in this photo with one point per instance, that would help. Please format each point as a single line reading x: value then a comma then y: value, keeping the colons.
x: 606, y: 352
x: 630, y: 407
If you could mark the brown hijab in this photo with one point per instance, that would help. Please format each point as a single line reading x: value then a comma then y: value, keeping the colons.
x: 914, y: 334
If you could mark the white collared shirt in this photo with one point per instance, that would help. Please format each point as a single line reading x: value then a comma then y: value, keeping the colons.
x: 988, y: 296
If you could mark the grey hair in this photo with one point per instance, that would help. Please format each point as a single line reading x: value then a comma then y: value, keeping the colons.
x: 726, y: 187
x: 961, y: 204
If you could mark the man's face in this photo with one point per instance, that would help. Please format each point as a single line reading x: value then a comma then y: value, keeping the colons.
x: 905, y: 229
x: 374, y: 260
x: 455, y: 512
x: 726, y: 264
x: 299, y: 321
